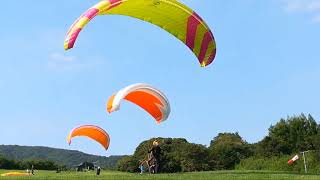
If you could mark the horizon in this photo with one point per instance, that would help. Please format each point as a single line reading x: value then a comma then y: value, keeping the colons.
x: 58, y: 148
x: 266, y: 68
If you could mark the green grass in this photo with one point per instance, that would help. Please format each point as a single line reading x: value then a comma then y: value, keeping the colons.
x: 215, y: 175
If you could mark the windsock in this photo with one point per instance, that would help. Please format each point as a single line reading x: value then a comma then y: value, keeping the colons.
x: 291, y: 161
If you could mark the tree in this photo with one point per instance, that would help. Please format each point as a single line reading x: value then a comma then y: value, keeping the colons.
x: 289, y: 136
x: 177, y: 155
x: 194, y: 157
x: 128, y: 164
x: 227, y: 149
x: 8, y: 164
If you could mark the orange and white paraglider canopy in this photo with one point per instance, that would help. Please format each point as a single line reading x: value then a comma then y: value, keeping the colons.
x: 147, y: 97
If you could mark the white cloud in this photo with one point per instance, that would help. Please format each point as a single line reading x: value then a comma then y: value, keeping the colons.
x: 311, y: 7
x: 61, y: 62
x: 61, y: 57
x: 303, y: 5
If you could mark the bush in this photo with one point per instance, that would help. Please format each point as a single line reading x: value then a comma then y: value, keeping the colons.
x: 279, y: 163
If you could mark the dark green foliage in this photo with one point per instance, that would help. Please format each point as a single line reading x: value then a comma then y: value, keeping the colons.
x: 316, y: 144
x: 39, y: 165
x: 61, y: 157
x: 287, y: 138
x: 128, y: 164
x: 274, y: 163
x: 298, y: 133
x: 279, y: 163
x: 8, y: 164
x: 227, y: 149
x: 177, y: 155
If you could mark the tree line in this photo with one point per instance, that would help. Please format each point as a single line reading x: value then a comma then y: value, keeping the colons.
x: 69, y: 158
x: 22, y: 165
x: 229, y: 151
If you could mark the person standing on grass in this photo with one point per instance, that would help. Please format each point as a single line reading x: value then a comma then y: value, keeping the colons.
x: 32, y: 170
x: 141, y: 167
x: 98, y: 170
x: 155, y: 152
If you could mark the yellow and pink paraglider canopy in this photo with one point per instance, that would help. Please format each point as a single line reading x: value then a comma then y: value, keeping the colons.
x: 170, y: 15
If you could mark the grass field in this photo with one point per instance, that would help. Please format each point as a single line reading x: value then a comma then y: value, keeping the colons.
x: 216, y: 175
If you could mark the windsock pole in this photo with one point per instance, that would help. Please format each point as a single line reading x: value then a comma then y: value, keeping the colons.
x: 304, y: 161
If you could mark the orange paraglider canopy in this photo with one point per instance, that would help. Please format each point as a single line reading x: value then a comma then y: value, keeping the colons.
x: 148, y: 102
x: 94, y: 132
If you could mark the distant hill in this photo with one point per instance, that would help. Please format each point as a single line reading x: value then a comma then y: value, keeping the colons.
x: 59, y: 156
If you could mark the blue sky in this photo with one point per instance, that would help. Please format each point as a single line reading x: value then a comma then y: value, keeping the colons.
x: 267, y: 67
